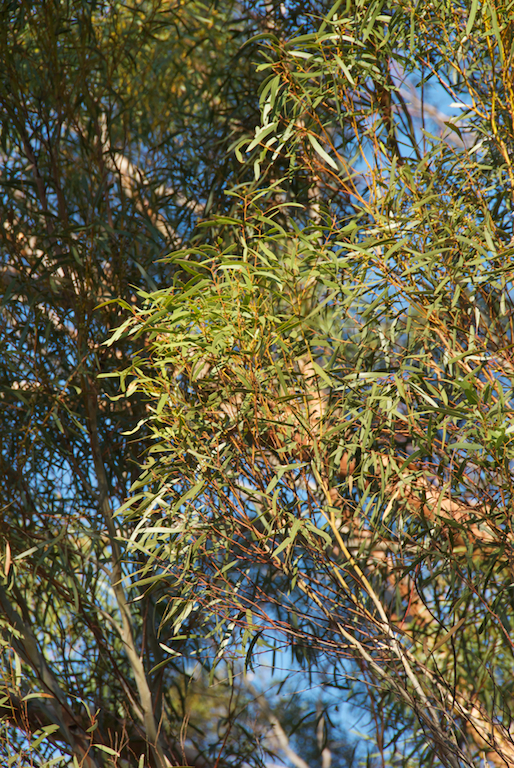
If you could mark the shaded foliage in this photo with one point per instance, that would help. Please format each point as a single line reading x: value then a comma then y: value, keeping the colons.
x: 115, y: 123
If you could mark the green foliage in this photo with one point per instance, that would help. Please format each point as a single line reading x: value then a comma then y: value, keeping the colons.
x: 115, y: 120
x: 329, y: 378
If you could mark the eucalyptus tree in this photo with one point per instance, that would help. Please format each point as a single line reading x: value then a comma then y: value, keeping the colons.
x: 329, y: 382
x: 115, y: 120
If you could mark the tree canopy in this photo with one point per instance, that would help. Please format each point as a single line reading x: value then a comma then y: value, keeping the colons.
x: 257, y: 381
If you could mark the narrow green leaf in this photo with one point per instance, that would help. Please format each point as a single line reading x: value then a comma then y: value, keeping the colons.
x: 471, y: 17
x: 321, y: 152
